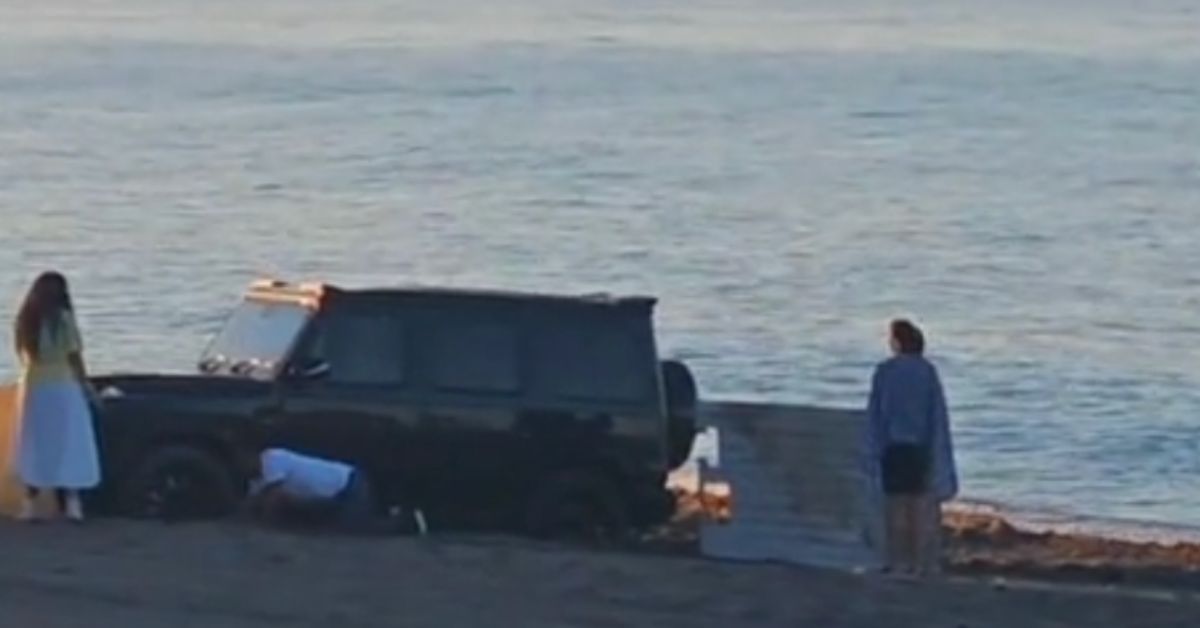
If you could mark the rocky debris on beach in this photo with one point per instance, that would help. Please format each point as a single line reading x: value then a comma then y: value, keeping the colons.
x: 987, y: 543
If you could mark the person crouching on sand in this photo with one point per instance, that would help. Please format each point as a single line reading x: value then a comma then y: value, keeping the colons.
x: 909, y: 450
x: 284, y: 482
x: 57, y: 442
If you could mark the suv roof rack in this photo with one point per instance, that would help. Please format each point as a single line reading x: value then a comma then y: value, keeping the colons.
x: 276, y: 289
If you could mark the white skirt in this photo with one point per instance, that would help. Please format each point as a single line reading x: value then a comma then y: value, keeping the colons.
x: 57, y: 442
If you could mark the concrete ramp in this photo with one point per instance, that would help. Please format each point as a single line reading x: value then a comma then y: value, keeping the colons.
x: 799, y: 494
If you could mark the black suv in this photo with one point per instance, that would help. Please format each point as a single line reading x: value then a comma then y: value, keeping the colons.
x: 541, y: 413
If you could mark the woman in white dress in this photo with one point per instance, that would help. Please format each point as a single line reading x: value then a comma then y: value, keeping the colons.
x: 57, y: 442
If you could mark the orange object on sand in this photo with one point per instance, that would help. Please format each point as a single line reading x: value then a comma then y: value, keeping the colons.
x: 10, y: 484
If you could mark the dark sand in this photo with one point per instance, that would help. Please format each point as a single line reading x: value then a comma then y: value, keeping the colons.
x: 141, y: 575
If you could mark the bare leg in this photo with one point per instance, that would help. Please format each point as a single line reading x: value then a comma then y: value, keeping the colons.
x: 920, y: 522
x: 929, y: 535
x: 28, y: 510
x: 71, y: 505
x: 894, y: 554
x: 913, y: 532
x: 61, y: 496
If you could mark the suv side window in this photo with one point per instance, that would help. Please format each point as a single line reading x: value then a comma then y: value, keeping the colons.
x: 364, y: 349
x: 475, y: 357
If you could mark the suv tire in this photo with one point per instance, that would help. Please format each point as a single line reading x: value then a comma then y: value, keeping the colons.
x: 179, y: 482
x: 682, y: 397
x: 578, y: 505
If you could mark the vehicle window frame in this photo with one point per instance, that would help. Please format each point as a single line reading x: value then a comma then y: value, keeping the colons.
x: 320, y: 323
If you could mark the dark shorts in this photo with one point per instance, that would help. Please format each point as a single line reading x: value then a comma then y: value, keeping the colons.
x: 905, y: 470
x: 356, y: 503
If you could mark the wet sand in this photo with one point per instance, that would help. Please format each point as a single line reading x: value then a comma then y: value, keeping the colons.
x: 145, y: 575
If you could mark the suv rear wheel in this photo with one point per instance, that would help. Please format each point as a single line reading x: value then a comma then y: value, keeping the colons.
x: 578, y: 505
x: 179, y: 482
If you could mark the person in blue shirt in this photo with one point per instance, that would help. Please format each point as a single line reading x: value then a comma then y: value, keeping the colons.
x: 910, y: 456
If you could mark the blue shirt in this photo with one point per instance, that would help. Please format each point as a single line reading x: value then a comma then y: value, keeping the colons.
x: 908, y: 406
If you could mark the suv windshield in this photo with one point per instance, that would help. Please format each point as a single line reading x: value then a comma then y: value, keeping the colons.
x: 255, y: 339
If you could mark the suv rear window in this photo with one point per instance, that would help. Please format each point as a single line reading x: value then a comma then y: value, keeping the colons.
x: 594, y: 364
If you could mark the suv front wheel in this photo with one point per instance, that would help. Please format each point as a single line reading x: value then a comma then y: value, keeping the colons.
x: 578, y: 505
x: 179, y: 482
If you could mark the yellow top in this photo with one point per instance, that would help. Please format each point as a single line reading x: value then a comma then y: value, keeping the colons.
x: 55, y: 346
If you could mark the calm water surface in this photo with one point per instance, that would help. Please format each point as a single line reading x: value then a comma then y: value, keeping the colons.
x: 786, y: 176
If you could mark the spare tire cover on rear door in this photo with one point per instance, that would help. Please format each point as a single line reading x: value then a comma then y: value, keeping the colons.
x: 682, y: 397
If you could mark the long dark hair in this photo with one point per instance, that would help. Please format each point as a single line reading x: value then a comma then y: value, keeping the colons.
x: 909, y: 338
x: 48, y: 298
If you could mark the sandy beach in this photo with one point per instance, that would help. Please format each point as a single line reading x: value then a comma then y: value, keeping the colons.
x: 118, y: 573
